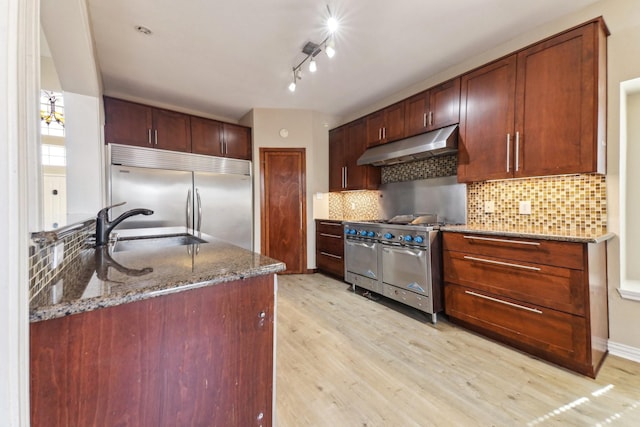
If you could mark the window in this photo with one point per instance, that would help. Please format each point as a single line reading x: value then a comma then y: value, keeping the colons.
x: 54, y: 155
x: 51, y: 113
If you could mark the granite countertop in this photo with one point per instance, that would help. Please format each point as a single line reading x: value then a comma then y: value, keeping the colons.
x: 568, y: 235
x: 99, y: 278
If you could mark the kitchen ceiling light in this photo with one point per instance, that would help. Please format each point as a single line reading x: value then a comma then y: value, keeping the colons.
x: 311, y: 50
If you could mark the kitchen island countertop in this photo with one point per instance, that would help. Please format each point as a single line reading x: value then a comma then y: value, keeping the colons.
x: 99, y: 278
x: 565, y: 235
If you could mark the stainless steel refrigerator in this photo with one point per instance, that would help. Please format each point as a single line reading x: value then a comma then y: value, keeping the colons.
x: 213, y: 195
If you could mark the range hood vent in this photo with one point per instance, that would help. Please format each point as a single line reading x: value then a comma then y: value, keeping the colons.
x: 435, y: 143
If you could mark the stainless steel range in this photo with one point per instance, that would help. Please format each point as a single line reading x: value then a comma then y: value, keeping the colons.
x: 400, y: 259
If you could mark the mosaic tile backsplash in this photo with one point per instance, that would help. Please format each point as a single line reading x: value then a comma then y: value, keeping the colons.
x: 557, y: 202
x: 433, y: 167
x: 354, y: 205
x: 41, y: 273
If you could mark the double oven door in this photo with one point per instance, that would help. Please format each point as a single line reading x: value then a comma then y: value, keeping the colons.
x: 361, y: 266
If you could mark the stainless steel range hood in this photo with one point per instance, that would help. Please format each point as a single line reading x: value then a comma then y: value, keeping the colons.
x: 435, y: 143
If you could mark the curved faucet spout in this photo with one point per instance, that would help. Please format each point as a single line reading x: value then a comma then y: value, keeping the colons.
x: 104, y: 226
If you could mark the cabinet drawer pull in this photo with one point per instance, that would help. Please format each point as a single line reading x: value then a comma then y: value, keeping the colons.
x: 331, y: 255
x: 522, y: 307
x: 490, y: 239
x: 333, y: 224
x: 506, y: 264
x: 330, y: 235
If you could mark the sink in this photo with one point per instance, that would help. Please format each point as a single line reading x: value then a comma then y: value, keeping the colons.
x: 155, y: 242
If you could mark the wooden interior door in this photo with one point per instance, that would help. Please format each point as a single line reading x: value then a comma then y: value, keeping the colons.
x: 283, y: 205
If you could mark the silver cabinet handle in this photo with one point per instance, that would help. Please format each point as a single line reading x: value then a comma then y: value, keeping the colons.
x: 522, y: 307
x: 188, y: 209
x: 149, y: 136
x: 508, y: 149
x: 505, y: 264
x: 333, y: 236
x: 155, y: 133
x: 430, y: 118
x: 517, y: 150
x: 221, y: 147
x: 330, y: 255
x: 333, y: 224
x: 424, y: 120
x: 384, y: 133
x: 491, y: 239
x: 199, y: 210
x: 379, y: 134
x: 346, y: 177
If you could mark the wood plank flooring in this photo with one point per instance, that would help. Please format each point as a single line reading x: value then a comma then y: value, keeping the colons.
x: 344, y: 360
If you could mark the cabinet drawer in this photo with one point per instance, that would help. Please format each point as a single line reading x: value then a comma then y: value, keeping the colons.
x: 329, y: 227
x: 330, y: 263
x: 544, y: 285
x: 333, y: 245
x: 561, y: 254
x: 559, y: 336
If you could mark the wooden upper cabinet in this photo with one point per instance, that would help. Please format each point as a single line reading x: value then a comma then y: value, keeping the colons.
x: 237, y: 141
x: 487, y: 103
x: 127, y: 123
x: 538, y: 112
x: 206, y: 137
x: 557, y: 104
x: 346, y: 144
x: 171, y: 130
x: 130, y: 123
x: 432, y: 109
x: 385, y: 125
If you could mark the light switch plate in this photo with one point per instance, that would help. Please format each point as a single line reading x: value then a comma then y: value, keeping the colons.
x: 525, y: 207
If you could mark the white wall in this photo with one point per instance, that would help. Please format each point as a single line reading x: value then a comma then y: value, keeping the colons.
x: 306, y: 129
x: 623, y: 20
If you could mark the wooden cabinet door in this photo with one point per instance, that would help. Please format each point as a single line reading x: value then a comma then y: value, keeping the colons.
x: 444, y: 105
x: 237, y: 141
x: 394, y: 122
x: 375, y: 124
x: 487, y: 103
x: 172, y: 130
x: 206, y: 137
x: 356, y: 176
x: 556, y: 105
x: 336, y: 159
x: 127, y: 123
x: 416, y: 110
x: 385, y: 125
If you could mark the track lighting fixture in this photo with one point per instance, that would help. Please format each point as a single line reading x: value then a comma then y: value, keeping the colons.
x: 311, y: 50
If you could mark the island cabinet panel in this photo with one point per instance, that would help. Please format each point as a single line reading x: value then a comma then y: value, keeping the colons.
x: 197, y: 357
x: 540, y: 111
x: 330, y: 247
x: 548, y: 298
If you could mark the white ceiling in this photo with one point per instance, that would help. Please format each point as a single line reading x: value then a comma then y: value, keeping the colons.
x: 227, y: 57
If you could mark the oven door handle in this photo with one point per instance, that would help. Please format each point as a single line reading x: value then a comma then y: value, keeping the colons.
x: 366, y: 245
x: 415, y: 252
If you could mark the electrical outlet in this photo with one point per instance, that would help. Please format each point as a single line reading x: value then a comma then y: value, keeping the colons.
x: 525, y: 207
x: 57, y: 254
x: 489, y: 206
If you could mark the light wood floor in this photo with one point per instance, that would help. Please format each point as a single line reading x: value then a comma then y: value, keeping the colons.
x: 343, y: 360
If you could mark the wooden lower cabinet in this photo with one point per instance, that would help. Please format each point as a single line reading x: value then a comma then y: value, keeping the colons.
x: 547, y: 298
x: 330, y: 247
x: 193, y: 358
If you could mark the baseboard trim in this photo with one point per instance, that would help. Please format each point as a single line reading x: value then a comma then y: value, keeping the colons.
x: 624, y: 351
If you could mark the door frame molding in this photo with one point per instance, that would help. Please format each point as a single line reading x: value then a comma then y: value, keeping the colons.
x: 264, y: 223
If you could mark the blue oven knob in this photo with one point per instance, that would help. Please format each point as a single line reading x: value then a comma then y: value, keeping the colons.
x: 363, y: 233
x: 370, y: 234
x: 352, y: 232
x: 408, y: 238
x: 388, y: 236
x: 418, y: 239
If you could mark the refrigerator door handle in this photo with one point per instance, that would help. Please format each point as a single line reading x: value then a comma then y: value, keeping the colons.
x: 199, y: 211
x: 188, y: 209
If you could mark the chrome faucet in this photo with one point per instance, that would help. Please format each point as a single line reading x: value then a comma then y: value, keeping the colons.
x: 104, y: 226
